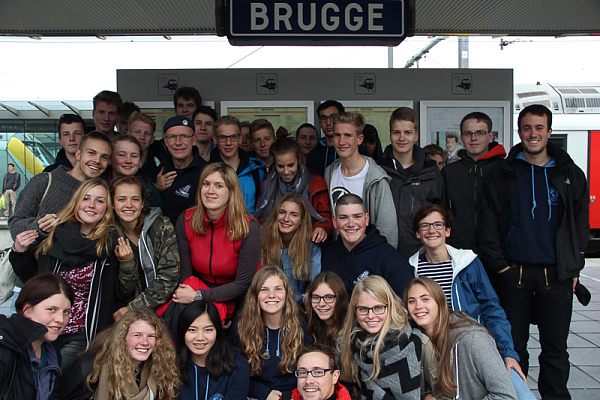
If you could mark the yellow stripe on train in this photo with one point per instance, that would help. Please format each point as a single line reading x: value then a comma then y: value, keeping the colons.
x: 24, y: 155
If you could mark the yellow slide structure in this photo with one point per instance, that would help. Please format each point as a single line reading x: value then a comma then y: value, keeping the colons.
x: 18, y: 150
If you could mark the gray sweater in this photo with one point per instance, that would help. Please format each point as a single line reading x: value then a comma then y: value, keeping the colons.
x: 28, y: 208
x: 481, y: 372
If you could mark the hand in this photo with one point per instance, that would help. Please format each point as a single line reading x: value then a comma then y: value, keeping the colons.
x: 511, y: 363
x: 24, y: 240
x: 119, y: 313
x: 184, y: 294
x: 319, y: 235
x: 575, y: 280
x: 429, y: 396
x: 123, y: 250
x: 503, y: 270
x: 48, y: 222
x: 274, y: 395
x: 163, y: 182
x: 227, y: 324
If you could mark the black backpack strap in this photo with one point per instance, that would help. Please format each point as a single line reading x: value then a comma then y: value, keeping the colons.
x: 256, y: 177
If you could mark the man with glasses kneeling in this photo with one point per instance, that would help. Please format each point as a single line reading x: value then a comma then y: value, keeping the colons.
x: 250, y: 171
x: 318, y: 372
x: 179, y: 168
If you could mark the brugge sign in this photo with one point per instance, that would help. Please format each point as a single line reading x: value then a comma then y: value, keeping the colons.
x: 297, y: 22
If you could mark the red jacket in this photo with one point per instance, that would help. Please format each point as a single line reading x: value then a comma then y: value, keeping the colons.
x: 319, y: 198
x: 340, y: 391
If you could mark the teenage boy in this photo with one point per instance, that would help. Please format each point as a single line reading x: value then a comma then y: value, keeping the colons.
x: 250, y: 171
x: 358, y: 174
x: 306, y: 136
x: 415, y: 179
x: 463, y: 179
x: 71, y: 128
x: 107, y: 107
x: 324, y: 153
x: 47, y: 193
x: 186, y: 100
x: 180, y: 167
x: 204, y: 124
x: 262, y: 136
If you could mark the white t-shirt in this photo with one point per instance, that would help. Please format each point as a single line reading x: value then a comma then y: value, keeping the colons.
x: 348, y: 184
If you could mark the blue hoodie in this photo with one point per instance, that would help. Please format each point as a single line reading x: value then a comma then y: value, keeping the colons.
x: 202, y: 386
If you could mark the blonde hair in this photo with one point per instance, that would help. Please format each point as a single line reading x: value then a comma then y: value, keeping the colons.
x: 70, y: 214
x: 300, y: 245
x: 251, y: 326
x: 397, y: 317
x: 237, y: 213
x: 110, y: 348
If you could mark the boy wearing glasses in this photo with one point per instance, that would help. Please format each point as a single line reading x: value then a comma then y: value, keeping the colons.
x: 324, y: 153
x: 360, y: 249
x: 180, y: 167
x: 464, y: 178
x: 317, y: 371
x: 415, y: 178
x: 250, y: 171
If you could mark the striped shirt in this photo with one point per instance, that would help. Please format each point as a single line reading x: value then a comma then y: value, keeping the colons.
x: 441, y: 273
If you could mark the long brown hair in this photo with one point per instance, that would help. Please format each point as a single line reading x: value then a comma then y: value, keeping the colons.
x: 300, y: 250
x: 139, y: 183
x: 110, y: 348
x: 317, y: 327
x: 442, y: 344
x: 378, y: 288
x: 251, y: 326
x: 69, y: 214
x: 237, y: 213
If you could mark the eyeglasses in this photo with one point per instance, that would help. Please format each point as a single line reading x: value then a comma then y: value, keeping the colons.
x: 437, y: 225
x: 328, y: 298
x: 173, y: 138
x: 476, y: 133
x: 377, y: 310
x: 324, y: 117
x: 224, y: 138
x: 316, y: 373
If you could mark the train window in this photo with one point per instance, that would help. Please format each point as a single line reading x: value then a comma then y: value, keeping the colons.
x: 559, y: 140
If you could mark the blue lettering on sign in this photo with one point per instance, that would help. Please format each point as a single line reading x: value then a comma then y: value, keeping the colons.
x: 299, y: 18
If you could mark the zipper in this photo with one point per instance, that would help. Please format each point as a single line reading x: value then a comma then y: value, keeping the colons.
x: 212, y: 236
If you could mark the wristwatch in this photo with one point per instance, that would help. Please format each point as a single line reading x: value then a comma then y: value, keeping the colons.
x: 198, y: 295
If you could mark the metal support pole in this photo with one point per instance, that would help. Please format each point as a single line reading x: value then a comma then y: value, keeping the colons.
x: 463, y: 52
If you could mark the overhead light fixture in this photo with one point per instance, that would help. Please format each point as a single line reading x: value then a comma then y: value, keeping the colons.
x: 101, y: 37
x: 167, y: 37
x: 35, y: 37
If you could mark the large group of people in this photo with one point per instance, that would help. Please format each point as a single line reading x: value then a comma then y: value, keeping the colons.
x: 228, y: 261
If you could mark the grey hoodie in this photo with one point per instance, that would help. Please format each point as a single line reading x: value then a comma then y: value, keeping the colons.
x: 377, y: 197
x: 479, y: 371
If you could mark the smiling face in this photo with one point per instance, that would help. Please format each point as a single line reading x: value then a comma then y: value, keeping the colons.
x: 200, y: 337
x: 204, y: 126
x: 69, y: 136
x: 371, y: 322
x: 346, y: 140
x: 92, y: 208
x: 271, y: 297
x: 214, y: 193
x: 93, y: 158
x: 262, y: 139
x: 316, y: 388
x: 475, y: 145
x: 534, y: 133
x: 227, y: 140
x: 125, y: 159
x: 287, y: 166
x: 181, y: 147
x: 307, y: 139
x: 422, y: 308
x: 143, y: 133
x: 105, y: 117
x: 128, y: 202
x: 351, y: 221
x: 289, y: 219
x: 403, y: 136
x: 53, y: 313
x: 323, y: 309
x: 140, y: 341
x: 433, y: 238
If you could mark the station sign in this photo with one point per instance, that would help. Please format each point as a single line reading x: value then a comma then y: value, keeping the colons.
x: 317, y: 22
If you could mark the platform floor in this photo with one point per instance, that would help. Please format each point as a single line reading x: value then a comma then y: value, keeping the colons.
x: 584, y: 341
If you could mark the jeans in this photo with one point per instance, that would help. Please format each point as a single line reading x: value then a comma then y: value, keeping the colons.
x: 533, y: 294
x: 70, y: 347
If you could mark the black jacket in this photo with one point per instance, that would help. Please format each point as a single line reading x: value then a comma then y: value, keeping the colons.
x: 463, y: 181
x: 61, y: 159
x: 16, y: 370
x: 372, y: 256
x: 412, y: 188
x: 573, y: 230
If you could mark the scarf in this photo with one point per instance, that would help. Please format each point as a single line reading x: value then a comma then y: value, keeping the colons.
x: 400, y: 364
x: 146, y: 391
x: 275, y: 188
x: 74, y: 250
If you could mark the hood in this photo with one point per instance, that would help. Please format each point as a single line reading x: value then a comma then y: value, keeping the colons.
x: 458, y: 332
x: 495, y: 150
x: 560, y: 156
x: 155, y: 212
x: 18, y: 332
x: 373, y: 239
x: 461, y: 258
x: 423, y: 167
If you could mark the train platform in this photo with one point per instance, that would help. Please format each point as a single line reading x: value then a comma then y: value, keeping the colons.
x: 584, y: 341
